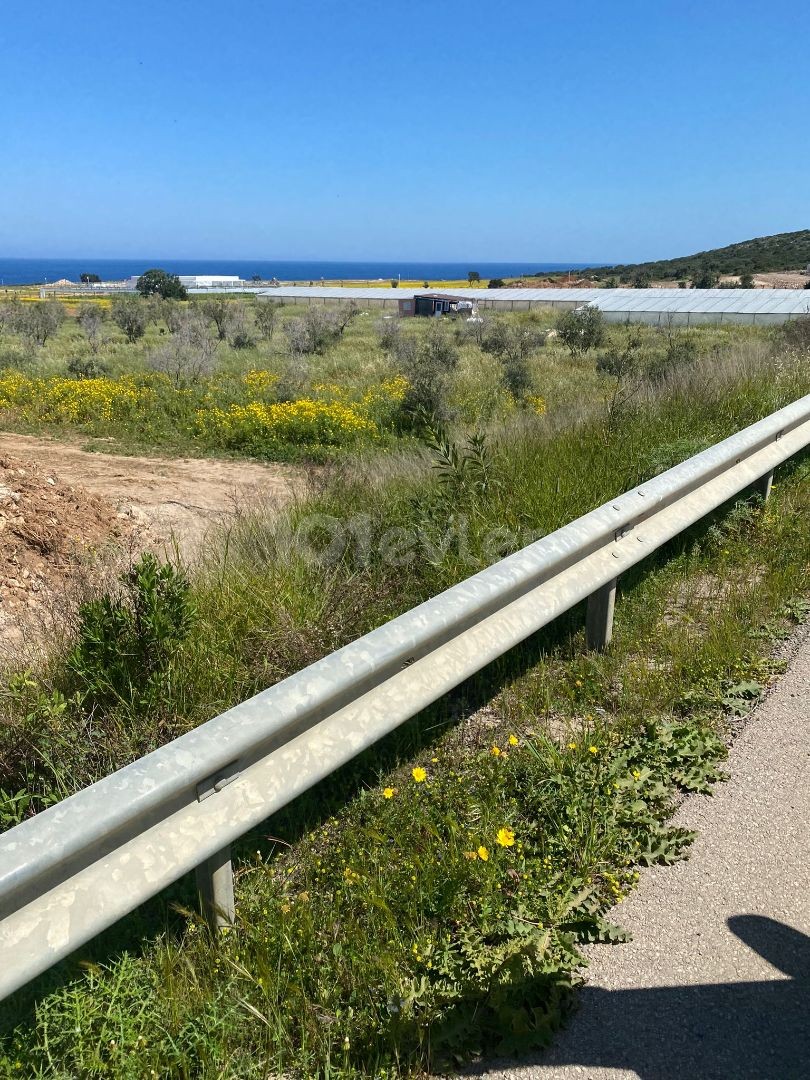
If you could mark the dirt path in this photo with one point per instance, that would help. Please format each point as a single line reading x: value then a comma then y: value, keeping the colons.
x: 177, y: 498
x: 715, y: 984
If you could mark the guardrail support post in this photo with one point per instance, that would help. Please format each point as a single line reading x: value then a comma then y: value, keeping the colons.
x: 599, y: 619
x: 764, y: 485
x: 215, y: 886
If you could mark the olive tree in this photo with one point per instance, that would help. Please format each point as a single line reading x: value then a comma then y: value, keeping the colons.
x: 91, y: 320
x: 189, y: 355
x: 581, y: 330
x: 130, y: 315
x: 221, y: 313
x: 38, y: 321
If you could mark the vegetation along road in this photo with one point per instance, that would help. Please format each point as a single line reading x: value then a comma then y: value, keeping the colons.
x: 716, y: 979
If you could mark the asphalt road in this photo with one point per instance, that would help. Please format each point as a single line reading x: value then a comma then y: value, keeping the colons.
x: 716, y: 981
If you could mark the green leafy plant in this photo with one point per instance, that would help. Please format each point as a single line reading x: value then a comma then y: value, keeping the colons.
x: 127, y: 644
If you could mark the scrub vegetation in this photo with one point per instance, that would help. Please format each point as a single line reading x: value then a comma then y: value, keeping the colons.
x: 232, y: 376
x: 428, y: 903
x: 782, y: 251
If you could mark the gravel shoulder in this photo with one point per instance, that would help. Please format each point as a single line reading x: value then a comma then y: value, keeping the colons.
x: 716, y: 981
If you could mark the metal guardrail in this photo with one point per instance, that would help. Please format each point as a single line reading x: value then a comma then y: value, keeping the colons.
x: 77, y: 867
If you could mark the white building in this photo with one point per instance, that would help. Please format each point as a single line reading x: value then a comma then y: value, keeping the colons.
x: 210, y: 281
x: 199, y: 281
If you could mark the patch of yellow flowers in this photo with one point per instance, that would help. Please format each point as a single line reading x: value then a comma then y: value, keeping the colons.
x: 332, y: 416
x: 73, y: 401
x: 536, y: 403
x: 304, y: 421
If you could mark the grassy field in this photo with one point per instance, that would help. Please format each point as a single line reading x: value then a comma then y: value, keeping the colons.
x: 307, y: 385
x: 426, y: 904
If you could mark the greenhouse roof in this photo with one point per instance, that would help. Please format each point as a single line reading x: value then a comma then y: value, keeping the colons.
x: 717, y: 301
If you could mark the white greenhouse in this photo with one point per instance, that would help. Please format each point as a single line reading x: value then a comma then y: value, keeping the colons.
x: 658, y: 307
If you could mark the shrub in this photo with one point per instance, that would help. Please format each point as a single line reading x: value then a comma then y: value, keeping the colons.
x: 128, y: 644
x: 427, y: 365
x: 221, y: 312
x: 582, y: 329
x: 86, y: 367
x: 705, y: 278
x: 130, y: 315
x: 796, y: 332
x: 681, y: 350
x: 189, y: 355
x: 317, y: 330
x: 266, y: 316
x: 241, y: 334
x: 9, y: 313
x: 512, y: 345
x: 91, y: 320
x: 389, y: 332
x: 496, y: 283
x: 36, y: 322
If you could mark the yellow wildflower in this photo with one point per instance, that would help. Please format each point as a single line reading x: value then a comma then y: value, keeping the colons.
x: 513, y: 740
x: 495, y: 751
x: 419, y: 774
x: 505, y: 837
x: 389, y: 793
x: 483, y: 854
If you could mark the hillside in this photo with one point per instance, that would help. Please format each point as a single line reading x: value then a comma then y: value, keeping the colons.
x: 783, y: 251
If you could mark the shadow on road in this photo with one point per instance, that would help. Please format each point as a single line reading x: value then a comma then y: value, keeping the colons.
x: 722, y: 1031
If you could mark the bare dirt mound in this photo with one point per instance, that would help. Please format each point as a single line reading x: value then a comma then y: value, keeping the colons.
x: 176, y: 499
x: 51, y: 534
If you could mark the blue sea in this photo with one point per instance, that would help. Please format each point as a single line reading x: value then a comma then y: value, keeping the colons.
x: 40, y: 271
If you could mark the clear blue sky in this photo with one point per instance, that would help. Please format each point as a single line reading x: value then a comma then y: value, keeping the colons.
x: 506, y: 130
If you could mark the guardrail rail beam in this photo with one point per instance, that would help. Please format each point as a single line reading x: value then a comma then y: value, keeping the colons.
x: 76, y: 867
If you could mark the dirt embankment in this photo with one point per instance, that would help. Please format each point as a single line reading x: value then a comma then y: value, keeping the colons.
x: 175, y: 499
x: 54, y: 539
x: 70, y: 521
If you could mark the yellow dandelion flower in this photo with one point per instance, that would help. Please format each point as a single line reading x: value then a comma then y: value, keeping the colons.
x: 389, y: 793
x: 482, y: 853
x: 495, y: 751
x: 513, y: 740
x: 572, y: 746
x: 505, y: 837
x: 593, y: 749
x: 419, y: 774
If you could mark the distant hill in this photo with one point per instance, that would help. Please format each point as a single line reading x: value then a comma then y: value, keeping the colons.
x: 783, y: 251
